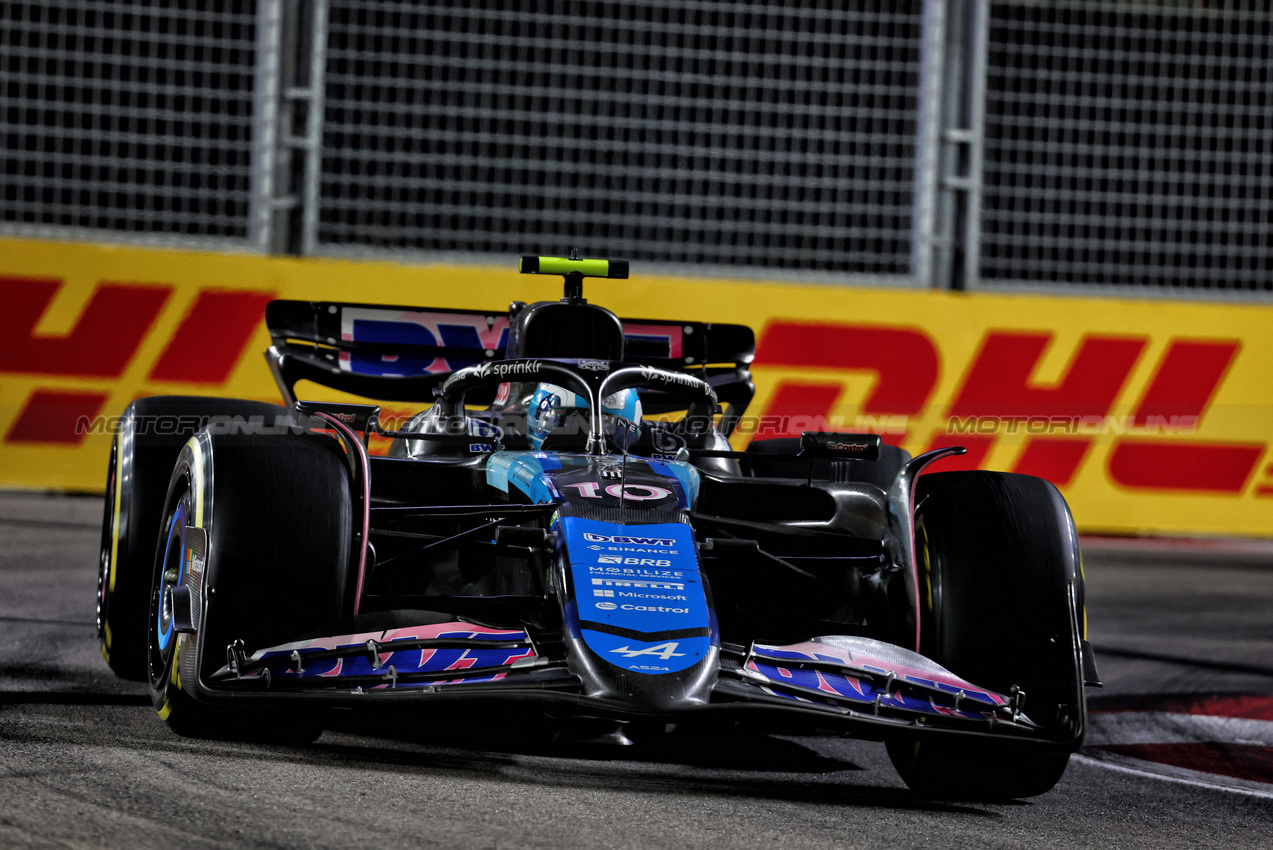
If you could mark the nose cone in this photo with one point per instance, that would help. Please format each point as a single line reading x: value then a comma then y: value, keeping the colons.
x: 639, y: 625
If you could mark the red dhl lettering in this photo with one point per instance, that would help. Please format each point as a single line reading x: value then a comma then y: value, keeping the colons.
x: 203, y: 349
x: 999, y: 384
x: 210, y: 339
x: 114, y: 322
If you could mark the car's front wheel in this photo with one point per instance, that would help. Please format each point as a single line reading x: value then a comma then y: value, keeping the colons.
x: 151, y: 433
x: 999, y: 560
x: 275, y: 512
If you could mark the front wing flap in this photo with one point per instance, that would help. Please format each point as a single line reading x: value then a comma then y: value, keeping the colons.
x: 853, y: 685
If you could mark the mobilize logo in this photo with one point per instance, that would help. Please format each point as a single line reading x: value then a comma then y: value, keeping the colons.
x: 594, y: 365
x: 635, y: 572
x: 666, y: 651
x: 633, y: 562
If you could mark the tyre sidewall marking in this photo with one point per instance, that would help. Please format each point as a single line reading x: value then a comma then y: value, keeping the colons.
x: 197, y: 481
x: 119, y: 487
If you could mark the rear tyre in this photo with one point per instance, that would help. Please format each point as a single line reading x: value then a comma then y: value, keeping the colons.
x: 998, y: 554
x: 150, y: 436
x: 277, y: 514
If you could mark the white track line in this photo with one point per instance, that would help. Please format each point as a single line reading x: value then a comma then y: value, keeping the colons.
x: 1161, y: 772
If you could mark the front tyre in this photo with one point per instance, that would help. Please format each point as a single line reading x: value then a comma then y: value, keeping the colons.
x: 999, y: 559
x: 151, y: 433
x: 275, y: 512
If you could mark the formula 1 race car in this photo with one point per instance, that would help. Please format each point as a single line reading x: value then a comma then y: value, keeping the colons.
x: 565, y: 531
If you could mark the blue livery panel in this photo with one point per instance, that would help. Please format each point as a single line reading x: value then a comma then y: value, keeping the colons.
x: 642, y: 583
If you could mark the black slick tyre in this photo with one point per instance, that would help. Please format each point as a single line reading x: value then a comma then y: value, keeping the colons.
x: 276, y: 512
x: 148, y: 439
x: 999, y: 559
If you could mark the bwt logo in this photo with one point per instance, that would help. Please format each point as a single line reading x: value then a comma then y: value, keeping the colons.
x: 635, y: 541
x: 999, y: 395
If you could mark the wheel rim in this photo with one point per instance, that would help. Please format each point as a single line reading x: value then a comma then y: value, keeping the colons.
x: 170, y: 572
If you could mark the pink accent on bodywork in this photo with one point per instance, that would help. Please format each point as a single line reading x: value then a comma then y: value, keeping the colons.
x: 463, y: 662
x: 947, y: 451
x: 468, y: 630
x: 529, y: 653
x: 365, y: 466
x: 820, y: 651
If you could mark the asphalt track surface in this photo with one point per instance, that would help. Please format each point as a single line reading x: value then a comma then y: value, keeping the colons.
x: 84, y: 762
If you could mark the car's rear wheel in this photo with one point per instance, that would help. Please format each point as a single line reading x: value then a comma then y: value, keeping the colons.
x: 150, y: 435
x: 998, y: 558
x: 276, y: 512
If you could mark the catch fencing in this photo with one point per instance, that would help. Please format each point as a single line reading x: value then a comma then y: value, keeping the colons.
x: 963, y: 144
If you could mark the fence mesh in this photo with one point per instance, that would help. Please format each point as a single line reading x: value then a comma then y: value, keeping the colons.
x: 1130, y: 144
x: 127, y: 117
x: 769, y: 135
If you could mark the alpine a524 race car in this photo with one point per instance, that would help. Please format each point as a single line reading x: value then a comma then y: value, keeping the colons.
x: 565, y: 530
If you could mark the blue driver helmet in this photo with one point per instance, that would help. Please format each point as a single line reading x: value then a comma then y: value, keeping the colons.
x: 551, y: 407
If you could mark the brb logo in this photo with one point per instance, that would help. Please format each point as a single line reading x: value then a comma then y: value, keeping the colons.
x: 1153, y: 447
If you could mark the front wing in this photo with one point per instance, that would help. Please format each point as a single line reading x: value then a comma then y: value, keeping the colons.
x: 851, y: 685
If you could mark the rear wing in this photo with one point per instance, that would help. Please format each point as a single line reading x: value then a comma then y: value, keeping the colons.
x: 400, y: 354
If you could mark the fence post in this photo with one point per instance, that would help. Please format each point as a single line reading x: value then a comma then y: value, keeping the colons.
x: 928, y: 127
x: 317, y: 62
x: 979, y: 48
x: 958, y: 159
x: 260, y: 229
x: 288, y: 124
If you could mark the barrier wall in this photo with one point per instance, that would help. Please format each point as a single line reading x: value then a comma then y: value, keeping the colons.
x: 1151, y: 416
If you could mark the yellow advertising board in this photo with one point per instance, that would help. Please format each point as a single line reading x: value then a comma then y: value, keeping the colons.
x: 1150, y: 415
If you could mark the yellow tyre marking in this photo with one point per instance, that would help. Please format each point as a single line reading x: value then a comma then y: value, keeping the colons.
x: 106, y: 624
x: 165, y: 710
x: 1083, y: 579
x: 928, y: 567
x: 176, y: 672
x: 119, y: 488
x: 196, y: 474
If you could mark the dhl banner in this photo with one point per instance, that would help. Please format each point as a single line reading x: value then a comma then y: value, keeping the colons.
x: 1151, y: 416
